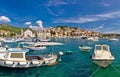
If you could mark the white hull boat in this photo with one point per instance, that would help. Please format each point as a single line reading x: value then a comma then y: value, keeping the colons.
x: 113, y: 39
x: 2, y: 49
x: 20, y: 60
x: 39, y: 45
x: 18, y: 49
x: 103, y: 63
x: 33, y: 48
x: 45, y: 40
x: 93, y: 39
x: 85, y: 48
x: 9, y: 40
x: 102, y: 55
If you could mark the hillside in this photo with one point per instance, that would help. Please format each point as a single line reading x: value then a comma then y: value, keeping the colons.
x: 11, y: 30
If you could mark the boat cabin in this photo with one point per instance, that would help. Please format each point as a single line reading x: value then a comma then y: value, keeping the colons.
x: 102, y: 51
x: 15, y: 56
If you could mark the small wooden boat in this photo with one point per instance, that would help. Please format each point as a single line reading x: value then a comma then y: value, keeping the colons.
x: 20, y: 60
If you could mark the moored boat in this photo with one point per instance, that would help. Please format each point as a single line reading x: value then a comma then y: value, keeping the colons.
x: 18, y: 49
x: 85, y: 48
x: 102, y: 55
x: 39, y: 45
x: 113, y: 39
x: 34, y: 46
x: 93, y: 39
x: 20, y: 60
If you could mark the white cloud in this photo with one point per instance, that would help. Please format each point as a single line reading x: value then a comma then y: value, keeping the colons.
x: 98, y: 28
x: 34, y: 27
x: 110, y: 15
x: 51, y: 12
x: 4, y: 19
x: 105, y: 4
x: 27, y: 23
x: 40, y: 24
x: 89, y: 18
x: 77, y: 20
x: 56, y: 3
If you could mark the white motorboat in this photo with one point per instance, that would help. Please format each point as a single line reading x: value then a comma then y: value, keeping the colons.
x: 18, y: 49
x: 85, y: 48
x: 102, y: 55
x: 20, y: 60
x: 39, y: 45
x: 113, y: 39
x: 93, y: 39
x: 2, y: 49
x: 11, y: 40
x: 42, y: 39
x: 45, y: 40
x: 33, y: 46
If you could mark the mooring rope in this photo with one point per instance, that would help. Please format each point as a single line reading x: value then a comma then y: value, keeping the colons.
x: 115, y: 68
x: 97, y: 69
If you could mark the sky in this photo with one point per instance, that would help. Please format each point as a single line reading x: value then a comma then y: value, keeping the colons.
x: 96, y: 15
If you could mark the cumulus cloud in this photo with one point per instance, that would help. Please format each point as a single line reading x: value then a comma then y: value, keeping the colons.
x: 40, y: 24
x: 27, y: 23
x: 4, y: 19
x: 89, y: 18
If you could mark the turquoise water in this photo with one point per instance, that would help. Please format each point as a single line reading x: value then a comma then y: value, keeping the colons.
x: 77, y: 64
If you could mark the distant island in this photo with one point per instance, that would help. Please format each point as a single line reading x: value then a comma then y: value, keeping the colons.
x: 56, y: 32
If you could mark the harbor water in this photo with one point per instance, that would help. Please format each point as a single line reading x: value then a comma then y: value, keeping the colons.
x: 77, y: 64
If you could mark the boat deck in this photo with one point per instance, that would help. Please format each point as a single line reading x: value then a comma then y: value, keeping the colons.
x: 34, y: 58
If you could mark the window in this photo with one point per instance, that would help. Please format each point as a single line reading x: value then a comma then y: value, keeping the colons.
x: 105, y: 48
x: 98, y: 47
x: 16, y: 55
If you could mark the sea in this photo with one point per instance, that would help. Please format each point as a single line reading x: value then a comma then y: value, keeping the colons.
x: 77, y: 64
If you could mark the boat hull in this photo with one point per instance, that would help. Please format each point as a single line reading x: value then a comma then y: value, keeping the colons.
x: 34, y: 48
x: 46, y: 61
x: 103, y: 63
x: 86, y: 49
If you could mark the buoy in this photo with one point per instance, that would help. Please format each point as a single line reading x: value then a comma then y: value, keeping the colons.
x: 60, y: 53
x: 68, y: 52
x: 6, y: 47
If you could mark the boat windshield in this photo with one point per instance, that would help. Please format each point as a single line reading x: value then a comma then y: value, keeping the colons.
x: 105, y: 48
x: 98, y: 48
